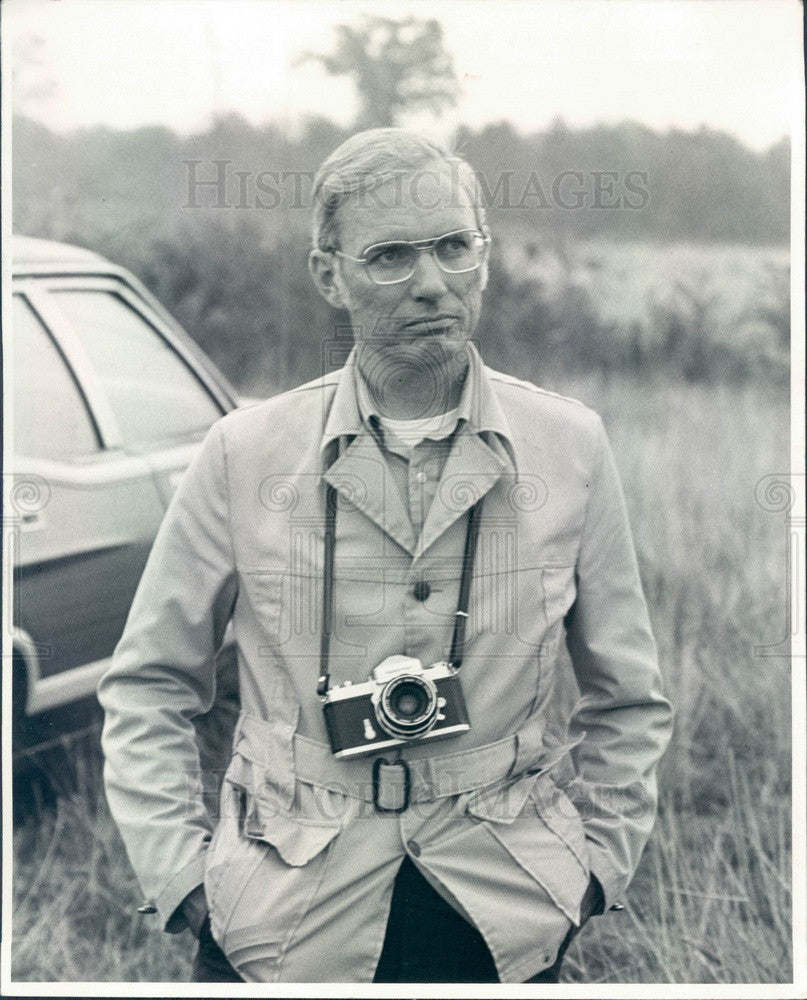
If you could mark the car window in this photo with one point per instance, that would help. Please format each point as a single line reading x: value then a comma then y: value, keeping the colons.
x: 51, y: 419
x: 153, y: 393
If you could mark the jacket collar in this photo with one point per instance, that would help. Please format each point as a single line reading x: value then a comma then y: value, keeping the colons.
x: 481, y: 453
x: 353, y: 411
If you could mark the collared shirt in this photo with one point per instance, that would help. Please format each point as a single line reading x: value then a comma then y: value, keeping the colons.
x: 417, y: 471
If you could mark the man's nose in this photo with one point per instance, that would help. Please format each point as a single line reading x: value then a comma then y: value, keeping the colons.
x: 428, y: 280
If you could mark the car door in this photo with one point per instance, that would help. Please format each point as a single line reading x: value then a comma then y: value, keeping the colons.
x: 107, y: 413
x: 87, y: 513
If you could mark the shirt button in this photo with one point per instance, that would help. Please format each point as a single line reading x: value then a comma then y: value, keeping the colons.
x: 420, y: 477
x: 421, y: 590
x: 414, y: 847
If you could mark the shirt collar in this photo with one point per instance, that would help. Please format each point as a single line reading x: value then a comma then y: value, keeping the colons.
x: 353, y: 409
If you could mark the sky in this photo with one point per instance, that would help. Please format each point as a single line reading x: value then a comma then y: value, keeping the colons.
x: 730, y: 64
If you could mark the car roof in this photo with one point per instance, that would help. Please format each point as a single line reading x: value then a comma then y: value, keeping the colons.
x: 32, y: 257
x: 31, y: 254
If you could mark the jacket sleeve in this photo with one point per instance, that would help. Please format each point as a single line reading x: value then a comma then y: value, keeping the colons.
x: 163, y: 673
x: 626, y: 719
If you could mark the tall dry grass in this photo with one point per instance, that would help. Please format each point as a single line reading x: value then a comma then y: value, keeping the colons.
x: 711, y: 900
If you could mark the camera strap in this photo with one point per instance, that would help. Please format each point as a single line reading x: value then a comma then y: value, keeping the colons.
x: 468, y: 557
x: 331, y: 500
x: 460, y: 615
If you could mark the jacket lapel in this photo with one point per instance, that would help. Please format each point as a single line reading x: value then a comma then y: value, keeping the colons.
x: 361, y: 477
x: 471, y: 470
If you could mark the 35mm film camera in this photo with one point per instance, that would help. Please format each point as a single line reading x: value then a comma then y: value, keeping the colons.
x: 401, y: 701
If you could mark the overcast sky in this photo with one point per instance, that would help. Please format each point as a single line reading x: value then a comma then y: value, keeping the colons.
x: 732, y: 64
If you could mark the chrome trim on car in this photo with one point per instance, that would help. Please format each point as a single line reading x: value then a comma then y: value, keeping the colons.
x: 81, y: 682
x: 104, y: 421
x: 137, y: 296
x: 43, y: 693
x: 71, y: 685
x: 24, y: 646
x: 109, y: 467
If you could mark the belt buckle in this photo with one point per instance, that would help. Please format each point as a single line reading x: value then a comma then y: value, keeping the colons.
x: 377, y: 782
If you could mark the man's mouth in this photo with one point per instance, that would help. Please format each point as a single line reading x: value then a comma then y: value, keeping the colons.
x: 431, y: 324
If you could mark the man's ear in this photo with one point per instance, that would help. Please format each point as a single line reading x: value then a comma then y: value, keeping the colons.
x: 322, y: 266
x: 483, y: 277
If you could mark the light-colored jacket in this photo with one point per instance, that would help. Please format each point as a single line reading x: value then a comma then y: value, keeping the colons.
x: 299, y: 870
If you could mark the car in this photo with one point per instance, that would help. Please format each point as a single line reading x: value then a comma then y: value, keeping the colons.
x: 110, y: 401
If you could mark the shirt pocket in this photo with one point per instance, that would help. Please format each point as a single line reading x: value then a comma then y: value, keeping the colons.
x: 543, y: 833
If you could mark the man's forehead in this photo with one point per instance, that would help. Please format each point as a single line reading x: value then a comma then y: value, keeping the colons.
x: 433, y: 197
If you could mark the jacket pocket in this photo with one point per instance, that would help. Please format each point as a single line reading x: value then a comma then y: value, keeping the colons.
x: 230, y: 863
x: 298, y: 831
x: 269, y: 854
x: 265, y: 865
x: 522, y: 604
x: 560, y: 814
x: 542, y: 831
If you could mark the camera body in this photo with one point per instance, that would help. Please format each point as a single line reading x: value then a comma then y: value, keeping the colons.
x: 402, y: 701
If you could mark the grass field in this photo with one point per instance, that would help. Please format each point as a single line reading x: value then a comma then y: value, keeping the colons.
x: 711, y: 900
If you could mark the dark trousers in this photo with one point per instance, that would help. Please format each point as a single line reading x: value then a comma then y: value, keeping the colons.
x: 426, y: 941
x: 210, y: 964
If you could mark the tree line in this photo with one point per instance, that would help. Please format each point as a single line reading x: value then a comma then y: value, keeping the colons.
x: 625, y: 181
x: 217, y: 225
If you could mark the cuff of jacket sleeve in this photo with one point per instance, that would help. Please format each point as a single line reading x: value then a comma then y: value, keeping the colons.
x: 613, y: 884
x: 169, y: 902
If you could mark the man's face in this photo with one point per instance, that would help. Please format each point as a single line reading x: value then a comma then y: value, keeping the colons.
x: 418, y: 328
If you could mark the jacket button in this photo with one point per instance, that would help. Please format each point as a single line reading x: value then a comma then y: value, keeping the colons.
x: 147, y: 907
x: 421, y: 590
x: 413, y: 847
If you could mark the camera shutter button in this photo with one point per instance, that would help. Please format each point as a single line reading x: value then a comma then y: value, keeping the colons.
x: 421, y: 590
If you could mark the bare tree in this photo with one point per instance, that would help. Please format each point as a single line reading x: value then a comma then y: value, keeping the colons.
x: 31, y: 80
x: 397, y: 67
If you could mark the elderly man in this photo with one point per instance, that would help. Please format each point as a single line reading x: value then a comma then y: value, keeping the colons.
x: 400, y: 546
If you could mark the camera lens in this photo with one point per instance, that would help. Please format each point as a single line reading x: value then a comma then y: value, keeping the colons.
x: 407, y: 707
x: 409, y: 701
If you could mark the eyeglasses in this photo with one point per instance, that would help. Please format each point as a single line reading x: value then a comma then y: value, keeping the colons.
x: 456, y: 253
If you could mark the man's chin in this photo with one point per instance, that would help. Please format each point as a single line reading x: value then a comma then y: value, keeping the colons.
x: 438, y: 361
x: 449, y: 352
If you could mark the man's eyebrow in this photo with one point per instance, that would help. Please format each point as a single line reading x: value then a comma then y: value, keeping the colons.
x: 397, y: 238
x: 389, y: 239
x: 419, y: 239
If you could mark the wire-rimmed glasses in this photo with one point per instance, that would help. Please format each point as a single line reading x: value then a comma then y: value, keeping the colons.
x: 395, y: 260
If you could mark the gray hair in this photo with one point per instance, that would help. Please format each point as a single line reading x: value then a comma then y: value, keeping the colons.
x: 369, y: 159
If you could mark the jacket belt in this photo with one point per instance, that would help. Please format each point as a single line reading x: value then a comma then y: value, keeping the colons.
x: 428, y: 778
